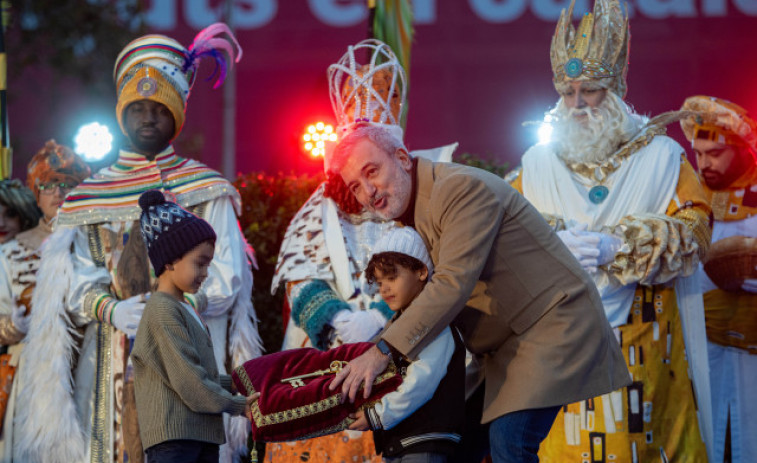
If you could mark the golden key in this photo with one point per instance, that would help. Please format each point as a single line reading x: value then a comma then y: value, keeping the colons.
x: 296, y: 381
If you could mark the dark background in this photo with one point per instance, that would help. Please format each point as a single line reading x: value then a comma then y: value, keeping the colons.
x: 475, y: 76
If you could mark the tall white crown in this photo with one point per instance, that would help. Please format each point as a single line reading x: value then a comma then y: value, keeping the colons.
x: 372, y: 93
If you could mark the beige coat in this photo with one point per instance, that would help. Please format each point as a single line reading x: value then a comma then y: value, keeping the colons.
x: 519, y: 297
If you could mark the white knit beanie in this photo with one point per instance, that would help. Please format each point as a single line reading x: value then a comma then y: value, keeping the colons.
x: 407, y: 241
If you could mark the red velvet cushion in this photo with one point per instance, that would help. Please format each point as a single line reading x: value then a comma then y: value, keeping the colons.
x: 285, y: 413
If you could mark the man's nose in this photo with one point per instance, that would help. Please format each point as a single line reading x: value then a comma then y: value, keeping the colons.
x: 151, y: 116
x: 369, y: 188
x: 580, y: 102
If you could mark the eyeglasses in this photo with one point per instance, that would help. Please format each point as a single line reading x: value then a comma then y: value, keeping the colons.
x: 49, y: 188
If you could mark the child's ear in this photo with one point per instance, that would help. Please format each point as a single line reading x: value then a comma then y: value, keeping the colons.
x: 423, y: 274
x: 169, y: 267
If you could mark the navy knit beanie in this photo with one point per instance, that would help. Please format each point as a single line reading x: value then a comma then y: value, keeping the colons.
x: 169, y: 231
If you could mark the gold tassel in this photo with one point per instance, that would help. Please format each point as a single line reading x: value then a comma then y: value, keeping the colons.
x: 254, y: 455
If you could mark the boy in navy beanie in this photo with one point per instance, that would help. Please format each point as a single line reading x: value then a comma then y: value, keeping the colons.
x: 180, y: 394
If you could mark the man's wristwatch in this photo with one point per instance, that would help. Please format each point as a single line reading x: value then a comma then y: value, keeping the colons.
x: 385, y: 349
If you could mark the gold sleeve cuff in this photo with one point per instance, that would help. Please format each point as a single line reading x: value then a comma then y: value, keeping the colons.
x: 699, y: 224
x: 9, y: 335
x: 658, y: 249
x: 557, y: 223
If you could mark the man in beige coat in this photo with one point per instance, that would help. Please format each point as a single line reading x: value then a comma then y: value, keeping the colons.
x: 524, y: 306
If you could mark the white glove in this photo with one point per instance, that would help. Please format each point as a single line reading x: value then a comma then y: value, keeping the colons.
x: 19, y: 318
x: 127, y: 313
x: 592, y: 249
x: 750, y: 285
x: 583, y: 246
x: 358, y: 325
x: 609, y: 245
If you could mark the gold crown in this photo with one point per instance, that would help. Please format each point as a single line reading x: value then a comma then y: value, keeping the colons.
x: 597, y: 51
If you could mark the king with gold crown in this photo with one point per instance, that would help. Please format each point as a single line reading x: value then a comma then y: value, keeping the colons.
x: 626, y: 202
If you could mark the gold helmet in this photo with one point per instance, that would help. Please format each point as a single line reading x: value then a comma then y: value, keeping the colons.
x: 720, y: 121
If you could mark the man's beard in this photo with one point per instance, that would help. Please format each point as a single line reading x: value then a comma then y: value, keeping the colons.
x: 396, y: 199
x: 593, y: 138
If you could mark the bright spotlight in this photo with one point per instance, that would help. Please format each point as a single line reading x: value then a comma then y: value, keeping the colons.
x: 544, y: 133
x: 315, y: 138
x: 93, y: 141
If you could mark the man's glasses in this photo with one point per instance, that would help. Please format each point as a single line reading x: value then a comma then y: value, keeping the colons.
x: 49, y: 188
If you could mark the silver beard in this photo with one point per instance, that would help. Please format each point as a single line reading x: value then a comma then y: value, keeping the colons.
x: 599, y: 135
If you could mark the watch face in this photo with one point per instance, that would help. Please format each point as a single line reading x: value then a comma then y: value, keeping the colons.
x: 384, y: 347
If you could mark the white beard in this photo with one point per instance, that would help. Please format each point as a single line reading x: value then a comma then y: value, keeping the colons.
x: 599, y: 135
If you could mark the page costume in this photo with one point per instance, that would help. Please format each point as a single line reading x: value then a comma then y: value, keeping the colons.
x: 729, y: 313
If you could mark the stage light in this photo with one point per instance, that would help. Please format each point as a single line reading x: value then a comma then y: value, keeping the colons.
x: 544, y: 133
x: 93, y: 141
x: 315, y: 138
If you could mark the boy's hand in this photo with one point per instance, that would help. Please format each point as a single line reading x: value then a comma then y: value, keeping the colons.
x: 361, y: 422
x: 248, y: 404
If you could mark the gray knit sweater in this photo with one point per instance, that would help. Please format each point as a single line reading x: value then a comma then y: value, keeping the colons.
x: 179, y: 393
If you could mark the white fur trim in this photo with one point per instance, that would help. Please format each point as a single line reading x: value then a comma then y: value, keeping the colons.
x: 244, y: 344
x: 48, y: 426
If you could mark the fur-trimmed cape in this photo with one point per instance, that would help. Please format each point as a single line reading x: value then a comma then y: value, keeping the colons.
x: 49, y: 428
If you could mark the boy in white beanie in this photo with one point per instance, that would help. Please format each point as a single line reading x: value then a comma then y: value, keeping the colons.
x: 424, y: 416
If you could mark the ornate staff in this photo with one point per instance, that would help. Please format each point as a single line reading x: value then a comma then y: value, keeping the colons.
x: 6, y: 153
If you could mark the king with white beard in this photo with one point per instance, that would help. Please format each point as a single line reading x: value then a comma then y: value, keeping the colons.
x: 626, y: 202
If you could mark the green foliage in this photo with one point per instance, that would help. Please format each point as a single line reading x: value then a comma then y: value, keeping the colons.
x: 483, y: 162
x: 268, y: 204
x: 71, y: 37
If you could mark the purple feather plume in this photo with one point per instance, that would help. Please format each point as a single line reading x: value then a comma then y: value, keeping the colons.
x: 207, y: 44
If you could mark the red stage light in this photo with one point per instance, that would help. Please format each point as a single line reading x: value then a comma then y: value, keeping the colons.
x: 315, y: 138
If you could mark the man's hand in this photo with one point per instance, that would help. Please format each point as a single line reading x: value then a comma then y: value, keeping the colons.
x: 248, y: 404
x: 363, y: 369
x: 361, y: 422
